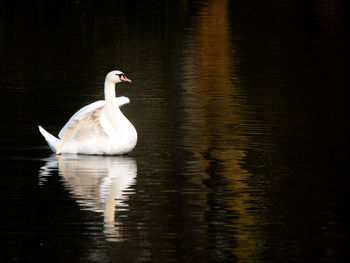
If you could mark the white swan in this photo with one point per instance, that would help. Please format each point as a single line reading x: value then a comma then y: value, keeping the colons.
x: 98, y: 128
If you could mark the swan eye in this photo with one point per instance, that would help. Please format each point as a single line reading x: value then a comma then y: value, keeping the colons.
x: 120, y: 75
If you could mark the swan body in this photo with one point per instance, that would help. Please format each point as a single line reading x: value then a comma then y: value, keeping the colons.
x: 98, y: 128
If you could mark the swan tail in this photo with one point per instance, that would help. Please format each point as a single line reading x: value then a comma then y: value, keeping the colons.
x: 51, y: 140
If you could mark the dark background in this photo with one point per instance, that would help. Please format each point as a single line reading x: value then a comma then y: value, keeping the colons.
x: 242, y: 113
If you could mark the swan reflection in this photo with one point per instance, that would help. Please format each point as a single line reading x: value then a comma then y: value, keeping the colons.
x: 98, y: 183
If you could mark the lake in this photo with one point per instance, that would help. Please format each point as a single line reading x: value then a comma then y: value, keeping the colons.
x: 243, y: 127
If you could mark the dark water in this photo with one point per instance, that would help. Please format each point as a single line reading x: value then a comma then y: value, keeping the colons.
x: 243, y: 123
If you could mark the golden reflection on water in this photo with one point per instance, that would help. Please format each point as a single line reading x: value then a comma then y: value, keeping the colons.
x: 210, y: 82
x: 98, y: 183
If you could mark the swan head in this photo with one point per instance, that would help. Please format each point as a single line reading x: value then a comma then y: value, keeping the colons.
x: 116, y: 76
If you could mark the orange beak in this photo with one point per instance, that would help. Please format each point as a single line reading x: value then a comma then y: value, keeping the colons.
x: 125, y: 79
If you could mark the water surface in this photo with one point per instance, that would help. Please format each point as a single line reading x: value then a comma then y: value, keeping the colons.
x: 243, y: 130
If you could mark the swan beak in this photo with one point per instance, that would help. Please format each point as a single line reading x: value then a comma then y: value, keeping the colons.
x: 125, y: 79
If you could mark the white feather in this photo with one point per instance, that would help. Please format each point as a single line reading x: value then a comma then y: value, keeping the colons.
x: 52, y: 141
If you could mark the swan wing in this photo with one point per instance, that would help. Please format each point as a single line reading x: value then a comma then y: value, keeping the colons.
x: 87, y: 130
x: 84, y: 129
x: 89, y: 108
x: 120, y: 101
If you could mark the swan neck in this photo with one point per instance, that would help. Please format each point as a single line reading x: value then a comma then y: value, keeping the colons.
x: 113, y: 111
x: 109, y: 92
